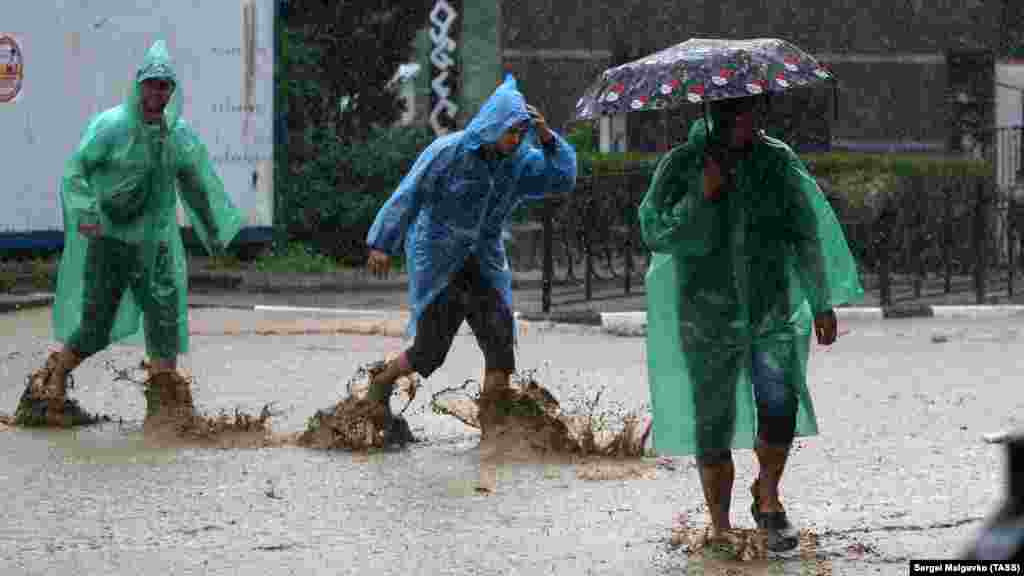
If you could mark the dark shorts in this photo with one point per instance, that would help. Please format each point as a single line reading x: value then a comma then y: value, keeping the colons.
x: 470, y: 297
x: 113, y: 266
x: 776, y: 413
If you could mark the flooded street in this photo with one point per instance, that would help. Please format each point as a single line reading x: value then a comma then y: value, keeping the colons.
x: 898, y: 472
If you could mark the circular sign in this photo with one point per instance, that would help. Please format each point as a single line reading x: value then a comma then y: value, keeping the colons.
x: 12, y: 68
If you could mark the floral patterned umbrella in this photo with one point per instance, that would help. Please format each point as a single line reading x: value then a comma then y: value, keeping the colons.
x: 699, y: 71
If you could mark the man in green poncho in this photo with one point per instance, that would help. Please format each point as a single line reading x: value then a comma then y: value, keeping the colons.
x: 123, y: 255
x: 749, y: 255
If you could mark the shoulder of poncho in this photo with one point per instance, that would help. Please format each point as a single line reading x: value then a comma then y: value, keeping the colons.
x: 445, y: 152
x: 684, y: 155
x: 450, y: 144
x: 184, y: 132
x: 110, y: 119
x: 777, y: 149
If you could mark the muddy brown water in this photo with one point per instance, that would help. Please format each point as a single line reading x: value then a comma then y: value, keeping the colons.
x: 107, y: 500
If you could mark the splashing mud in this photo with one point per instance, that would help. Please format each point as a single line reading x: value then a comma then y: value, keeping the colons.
x: 171, y: 417
x: 356, y: 423
x: 525, y: 423
x: 44, y: 402
x: 743, y: 550
x: 238, y: 430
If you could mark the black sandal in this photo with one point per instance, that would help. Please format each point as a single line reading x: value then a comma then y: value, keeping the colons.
x: 782, y: 536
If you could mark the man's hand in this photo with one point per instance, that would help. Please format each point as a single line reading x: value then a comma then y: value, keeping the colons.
x: 90, y: 230
x: 379, y: 263
x: 540, y: 124
x: 826, y: 328
x: 712, y: 179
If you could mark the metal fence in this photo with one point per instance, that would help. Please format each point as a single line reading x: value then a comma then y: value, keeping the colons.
x: 593, y: 234
x: 929, y: 237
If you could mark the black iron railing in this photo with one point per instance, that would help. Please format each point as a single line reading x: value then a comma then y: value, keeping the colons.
x: 924, y: 238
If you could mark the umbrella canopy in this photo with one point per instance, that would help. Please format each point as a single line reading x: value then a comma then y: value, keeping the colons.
x: 699, y: 71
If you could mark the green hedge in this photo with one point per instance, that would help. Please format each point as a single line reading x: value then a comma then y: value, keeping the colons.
x: 330, y: 200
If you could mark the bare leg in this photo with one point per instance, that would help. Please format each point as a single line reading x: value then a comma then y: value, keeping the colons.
x: 168, y: 394
x: 496, y: 380
x: 58, y: 366
x: 772, y: 460
x: 383, y: 383
x: 158, y: 365
x: 717, y: 480
x: 68, y: 361
x: 491, y: 453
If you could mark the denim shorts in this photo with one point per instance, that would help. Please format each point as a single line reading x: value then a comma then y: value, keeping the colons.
x: 468, y: 297
x: 776, y: 412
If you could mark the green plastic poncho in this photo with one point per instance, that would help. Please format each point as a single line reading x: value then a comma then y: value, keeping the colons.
x: 126, y: 175
x: 745, y: 274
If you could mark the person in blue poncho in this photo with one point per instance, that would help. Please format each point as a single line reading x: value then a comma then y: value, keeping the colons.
x: 448, y: 214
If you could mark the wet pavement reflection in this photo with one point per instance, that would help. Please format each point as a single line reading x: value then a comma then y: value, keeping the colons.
x: 899, y: 471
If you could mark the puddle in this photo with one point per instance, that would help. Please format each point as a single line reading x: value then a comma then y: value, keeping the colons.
x: 744, y: 552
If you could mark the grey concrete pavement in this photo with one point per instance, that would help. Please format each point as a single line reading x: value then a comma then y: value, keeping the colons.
x: 899, y: 471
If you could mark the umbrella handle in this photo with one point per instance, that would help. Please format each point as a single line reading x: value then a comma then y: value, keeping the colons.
x: 835, y: 99
x: 707, y: 121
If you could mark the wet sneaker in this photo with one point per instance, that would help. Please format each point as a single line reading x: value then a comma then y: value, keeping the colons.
x: 782, y: 536
x: 398, y: 434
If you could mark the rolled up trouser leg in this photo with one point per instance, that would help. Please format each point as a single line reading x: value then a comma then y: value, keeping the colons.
x: 164, y: 305
x: 714, y: 401
x: 776, y: 403
x: 109, y: 266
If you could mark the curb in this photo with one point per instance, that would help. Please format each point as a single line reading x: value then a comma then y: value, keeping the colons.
x: 635, y: 323
x: 13, y: 303
x: 618, y: 323
x: 204, y: 281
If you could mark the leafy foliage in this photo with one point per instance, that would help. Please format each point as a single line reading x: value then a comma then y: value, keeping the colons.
x: 337, y: 194
x: 343, y: 162
x: 346, y: 49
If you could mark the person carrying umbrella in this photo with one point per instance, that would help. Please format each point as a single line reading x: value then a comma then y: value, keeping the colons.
x: 448, y: 213
x: 123, y: 255
x: 748, y: 255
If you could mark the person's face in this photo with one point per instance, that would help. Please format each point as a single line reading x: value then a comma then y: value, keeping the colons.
x: 511, y: 139
x: 737, y: 118
x: 156, y: 93
x: 743, y: 129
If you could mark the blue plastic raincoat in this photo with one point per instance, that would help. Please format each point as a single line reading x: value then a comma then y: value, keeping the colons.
x: 453, y: 203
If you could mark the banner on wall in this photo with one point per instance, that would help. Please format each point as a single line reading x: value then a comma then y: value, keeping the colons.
x: 12, y: 68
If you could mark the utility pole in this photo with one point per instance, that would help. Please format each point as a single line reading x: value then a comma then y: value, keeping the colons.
x: 1004, y: 50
